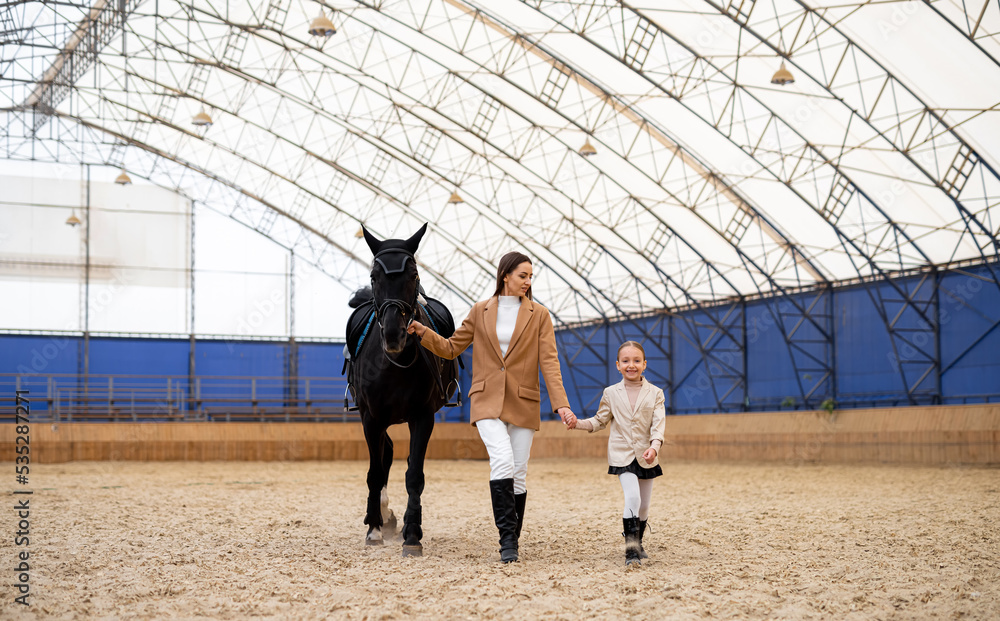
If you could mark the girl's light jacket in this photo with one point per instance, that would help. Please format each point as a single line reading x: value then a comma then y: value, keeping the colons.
x: 632, y: 430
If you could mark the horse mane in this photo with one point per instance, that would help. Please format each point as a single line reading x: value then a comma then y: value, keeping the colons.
x: 360, y: 296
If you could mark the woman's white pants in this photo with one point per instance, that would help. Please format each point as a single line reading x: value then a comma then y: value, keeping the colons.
x: 508, y: 446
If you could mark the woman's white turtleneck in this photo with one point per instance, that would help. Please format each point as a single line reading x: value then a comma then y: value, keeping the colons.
x: 506, y: 318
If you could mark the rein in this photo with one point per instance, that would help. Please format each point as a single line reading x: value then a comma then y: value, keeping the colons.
x: 389, y: 358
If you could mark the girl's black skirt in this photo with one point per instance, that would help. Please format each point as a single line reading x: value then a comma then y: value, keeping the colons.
x: 637, y: 470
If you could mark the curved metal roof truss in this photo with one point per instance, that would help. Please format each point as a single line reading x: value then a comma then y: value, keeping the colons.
x: 709, y: 183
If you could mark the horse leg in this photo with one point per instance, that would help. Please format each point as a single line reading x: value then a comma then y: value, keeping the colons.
x: 388, y: 517
x: 375, y: 437
x: 420, y: 434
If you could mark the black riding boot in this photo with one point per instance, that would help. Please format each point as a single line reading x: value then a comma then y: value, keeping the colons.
x: 642, y: 531
x: 631, y: 528
x: 505, y: 516
x: 519, y: 507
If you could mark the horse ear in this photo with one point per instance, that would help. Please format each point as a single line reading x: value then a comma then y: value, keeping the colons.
x: 414, y: 241
x: 373, y: 243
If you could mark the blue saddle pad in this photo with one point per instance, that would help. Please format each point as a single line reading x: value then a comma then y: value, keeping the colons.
x: 359, y: 326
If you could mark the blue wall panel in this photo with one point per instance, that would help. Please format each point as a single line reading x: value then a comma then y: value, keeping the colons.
x: 708, y: 360
x: 808, y: 322
x: 653, y: 333
x: 970, y: 336
x: 139, y: 356
x: 33, y: 355
x: 586, y: 349
x: 914, y: 325
x: 33, y: 360
x: 319, y: 372
x: 256, y: 360
x: 546, y: 405
x: 320, y: 360
x: 785, y: 353
x: 865, y: 360
x: 240, y: 358
x: 693, y: 389
x: 770, y: 372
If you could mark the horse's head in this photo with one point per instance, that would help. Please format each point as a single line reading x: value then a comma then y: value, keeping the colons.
x: 395, y: 283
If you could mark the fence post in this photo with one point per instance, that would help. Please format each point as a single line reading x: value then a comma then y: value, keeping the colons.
x: 253, y: 395
x: 309, y: 400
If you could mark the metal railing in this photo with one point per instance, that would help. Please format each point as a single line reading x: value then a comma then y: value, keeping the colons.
x: 136, y: 398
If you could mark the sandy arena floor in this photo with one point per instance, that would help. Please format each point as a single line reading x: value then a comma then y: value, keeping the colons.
x: 284, y: 541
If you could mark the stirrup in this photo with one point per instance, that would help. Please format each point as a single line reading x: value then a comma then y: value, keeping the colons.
x: 349, y: 392
x: 458, y: 394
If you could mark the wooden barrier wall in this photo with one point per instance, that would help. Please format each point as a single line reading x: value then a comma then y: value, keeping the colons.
x: 917, y: 435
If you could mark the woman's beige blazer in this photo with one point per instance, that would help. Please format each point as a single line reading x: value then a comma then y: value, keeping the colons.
x: 506, y: 387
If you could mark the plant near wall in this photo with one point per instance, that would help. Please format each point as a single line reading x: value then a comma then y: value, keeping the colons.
x: 829, y: 405
x: 788, y: 402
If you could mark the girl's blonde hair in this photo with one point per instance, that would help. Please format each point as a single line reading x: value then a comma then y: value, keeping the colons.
x: 630, y: 344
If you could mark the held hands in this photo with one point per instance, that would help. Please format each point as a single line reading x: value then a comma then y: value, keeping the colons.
x: 567, y: 416
x: 417, y: 328
x: 649, y: 454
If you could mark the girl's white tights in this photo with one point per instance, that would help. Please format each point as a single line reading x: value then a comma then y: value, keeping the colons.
x: 638, y: 493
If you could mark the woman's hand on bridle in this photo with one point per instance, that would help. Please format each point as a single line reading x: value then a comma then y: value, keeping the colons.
x: 417, y: 328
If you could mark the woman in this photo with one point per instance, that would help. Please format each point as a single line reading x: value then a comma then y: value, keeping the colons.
x: 514, y: 339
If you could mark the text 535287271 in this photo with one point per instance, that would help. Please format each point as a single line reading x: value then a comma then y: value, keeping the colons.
x: 22, y: 502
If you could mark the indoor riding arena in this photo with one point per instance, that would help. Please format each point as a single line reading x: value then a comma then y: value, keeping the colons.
x: 226, y: 228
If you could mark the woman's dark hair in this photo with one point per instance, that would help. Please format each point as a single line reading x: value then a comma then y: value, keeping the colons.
x: 509, y: 263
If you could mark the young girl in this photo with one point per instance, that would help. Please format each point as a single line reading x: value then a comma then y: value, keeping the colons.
x: 635, y: 409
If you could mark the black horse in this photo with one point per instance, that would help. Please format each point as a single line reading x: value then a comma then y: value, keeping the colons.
x: 395, y: 380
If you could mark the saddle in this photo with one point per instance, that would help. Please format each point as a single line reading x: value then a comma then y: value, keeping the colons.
x: 358, y: 326
x: 441, y: 319
x: 362, y: 325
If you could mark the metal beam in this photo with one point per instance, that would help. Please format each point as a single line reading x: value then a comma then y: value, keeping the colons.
x: 92, y: 34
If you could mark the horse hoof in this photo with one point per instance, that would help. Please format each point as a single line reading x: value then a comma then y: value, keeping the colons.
x: 417, y: 550
x: 374, y: 537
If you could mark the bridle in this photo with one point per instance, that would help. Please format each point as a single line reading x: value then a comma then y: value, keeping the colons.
x: 413, y: 308
x: 404, y: 307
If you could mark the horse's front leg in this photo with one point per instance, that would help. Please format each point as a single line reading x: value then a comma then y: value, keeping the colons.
x: 379, y: 454
x: 420, y: 434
